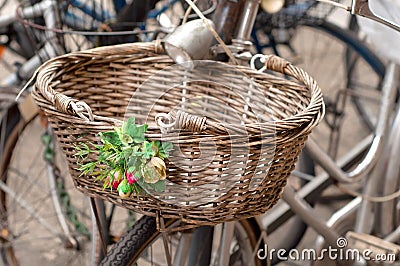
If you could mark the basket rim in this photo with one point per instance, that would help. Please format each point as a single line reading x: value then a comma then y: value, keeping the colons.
x: 43, y: 92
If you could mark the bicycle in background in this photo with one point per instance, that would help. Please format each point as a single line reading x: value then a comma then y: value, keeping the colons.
x: 135, y: 246
x: 40, y: 212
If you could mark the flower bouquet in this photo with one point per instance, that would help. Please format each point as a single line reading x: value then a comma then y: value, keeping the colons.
x: 126, y: 160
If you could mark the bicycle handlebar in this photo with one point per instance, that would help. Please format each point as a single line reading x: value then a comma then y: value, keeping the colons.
x: 362, y: 8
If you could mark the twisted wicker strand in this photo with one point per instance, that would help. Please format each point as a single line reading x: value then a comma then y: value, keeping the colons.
x: 190, y: 122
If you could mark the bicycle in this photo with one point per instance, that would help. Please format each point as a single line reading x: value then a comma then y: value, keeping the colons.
x: 331, y: 235
x: 68, y: 228
x: 301, y: 208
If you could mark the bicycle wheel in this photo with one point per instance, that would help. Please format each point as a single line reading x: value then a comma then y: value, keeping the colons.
x: 343, y: 67
x: 327, y: 53
x: 143, y: 244
x: 44, y: 220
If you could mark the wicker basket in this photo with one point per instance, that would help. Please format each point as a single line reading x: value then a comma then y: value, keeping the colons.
x: 223, y: 167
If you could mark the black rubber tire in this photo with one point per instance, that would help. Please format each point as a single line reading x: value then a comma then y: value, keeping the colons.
x: 128, y: 249
x: 10, y: 124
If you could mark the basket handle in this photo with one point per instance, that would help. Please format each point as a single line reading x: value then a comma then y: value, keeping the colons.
x: 194, y: 123
x: 316, y: 105
x: 181, y: 120
x: 281, y: 65
x: 45, y: 74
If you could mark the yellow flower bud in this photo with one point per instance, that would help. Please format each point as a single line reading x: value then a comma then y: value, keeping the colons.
x: 159, y: 164
x: 154, y: 170
x: 124, y: 195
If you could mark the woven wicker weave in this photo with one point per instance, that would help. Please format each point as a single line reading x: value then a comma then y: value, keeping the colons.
x: 223, y: 167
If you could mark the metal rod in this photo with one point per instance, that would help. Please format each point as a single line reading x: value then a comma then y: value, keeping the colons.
x: 309, y: 215
x: 362, y: 8
x: 339, y: 216
x: 394, y: 236
x: 388, y: 98
x: 246, y: 20
x: 97, y: 217
x: 226, y: 240
x: 391, y: 178
x: 182, y: 251
x: 281, y: 211
x: 165, y: 242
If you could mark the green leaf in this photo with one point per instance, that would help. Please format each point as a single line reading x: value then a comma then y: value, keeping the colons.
x: 110, y: 137
x: 138, y: 175
x: 49, y: 154
x: 163, y: 148
x: 83, y: 151
x: 148, y: 150
x: 138, y: 134
x: 127, y: 125
x: 134, y: 131
x: 125, y: 149
x: 160, y: 186
x: 134, y: 162
x: 46, y: 139
x: 144, y: 185
x: 126, y: 139
x: 131, y: 169
x: 87, y: 168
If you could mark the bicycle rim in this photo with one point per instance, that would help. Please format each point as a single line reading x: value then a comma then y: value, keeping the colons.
x: 31, y: 230
x: 143, y: 245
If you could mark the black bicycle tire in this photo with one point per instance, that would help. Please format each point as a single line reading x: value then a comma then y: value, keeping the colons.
x: 13, y: 125
x: 138, y: 237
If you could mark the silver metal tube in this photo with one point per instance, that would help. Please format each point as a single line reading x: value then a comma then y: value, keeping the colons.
x: 394, y: 236
x: 181, y: 255
x: 49, y: 50
x: 362, y: 8
x: 365, y: 214
x: 27, y: 12
x: 7, y: 19
x: 246, y: 20
x: 311, y: 217
x: 50, y: 19
x: 338, y: 217
x: 387, y: 104
x: 385, y: 220
x: 226, y: 240
x: 38, y: 9
x: 314, y: 186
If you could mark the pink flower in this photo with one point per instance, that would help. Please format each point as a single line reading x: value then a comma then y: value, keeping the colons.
x: 116, y: 180
x: 115, y: 183
x: 130, y: 178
